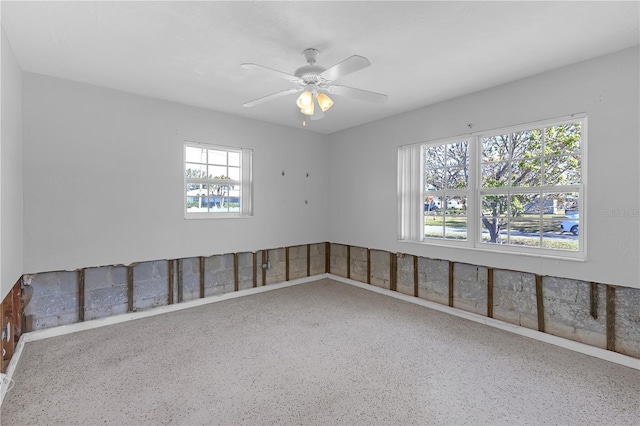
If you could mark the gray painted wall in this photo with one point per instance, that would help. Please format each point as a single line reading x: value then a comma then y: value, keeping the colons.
x: 363, y: 206
x: 103, y: 178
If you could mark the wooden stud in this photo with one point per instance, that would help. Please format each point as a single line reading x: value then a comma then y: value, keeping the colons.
x: 264, y: 270
x: 286, y: 263
x: 539, y: 303
x: 393, y: 272
x: 81, y: 295
x: 255, y: 269
x: 170, y: 283
x: 202, y: 260
x: 180, y: 283
x: 451, y: 265
x: 236, y: 275
x: 593, y: 305
x: 130, y: 288
x: 368, y: 266
x: 490, y: 292
x: 348, y: 261
x: 327, y: 257
x: 416, y: 277
x: 308, y: 260
x: 611, y: 318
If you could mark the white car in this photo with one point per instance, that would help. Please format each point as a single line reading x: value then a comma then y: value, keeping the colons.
x: 570, y: 225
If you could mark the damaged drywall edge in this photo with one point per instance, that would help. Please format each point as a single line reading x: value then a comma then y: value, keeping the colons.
x: 572, y: 345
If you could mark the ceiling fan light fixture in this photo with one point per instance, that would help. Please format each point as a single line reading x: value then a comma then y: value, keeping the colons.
x: 308, y: 109
x: 324, y: 101
x: 305, y: 100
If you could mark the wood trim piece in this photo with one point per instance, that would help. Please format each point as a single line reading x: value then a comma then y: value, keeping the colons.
x: 264, y: 270
x: 451, y: 267
x: 368, y: 266
x: 180, y: 282
x: 416, y: 277
x: 202, y: 272
x: 308, y: 260
x: 539, y: 303
x: 348, y: 261
x: 81, y: 295
x: 611, y: 318
x: 393, y: 272
x: 490, y: 292
x: 327, y: 257
x: 255, y: 269
x: 170, y: 273
x: 130, y: 288
x: 286, y: 263
x: 236, y: 274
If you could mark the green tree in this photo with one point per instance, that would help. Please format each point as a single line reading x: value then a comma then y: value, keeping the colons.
x: 519, y: 160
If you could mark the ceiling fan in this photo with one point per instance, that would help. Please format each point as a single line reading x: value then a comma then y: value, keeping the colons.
x: 316, y: 82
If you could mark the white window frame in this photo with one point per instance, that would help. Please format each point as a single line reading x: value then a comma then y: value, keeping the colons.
x: 411, y: 193
x: 245, y: 183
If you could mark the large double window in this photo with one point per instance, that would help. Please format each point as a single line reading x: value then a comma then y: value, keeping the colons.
x: 519, y: 189
x: 217, y: 181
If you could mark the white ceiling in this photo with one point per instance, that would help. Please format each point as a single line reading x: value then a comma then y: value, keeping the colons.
x: 421, y: 52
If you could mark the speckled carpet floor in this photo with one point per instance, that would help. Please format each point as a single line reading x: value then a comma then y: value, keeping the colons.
x: 321, y: 353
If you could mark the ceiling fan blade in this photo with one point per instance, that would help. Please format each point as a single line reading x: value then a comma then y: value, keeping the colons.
x: 270, y: 97
x: 288, y: 77
x: 363, y: 95
x: 349, y: 65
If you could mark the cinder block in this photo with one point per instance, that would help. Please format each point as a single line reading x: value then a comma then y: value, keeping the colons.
x: 627, y: 302
x: 318, y: 259
x: 470, y: 288
x: 433, y: 280
x: 245, y: 270
x: 190, y: 278
x: 339, y: 260
x: 380, y: 262
x: 297, y: 262
x: 567, y: 314
x: 150, y: 285
x: 359, y: 264
x: 277, y: 272
x: 514, y: 298
x: 405, y: 282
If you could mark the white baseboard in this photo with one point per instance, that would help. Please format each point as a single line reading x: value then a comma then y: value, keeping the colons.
x: 117, y: 319
x: 604, y: 354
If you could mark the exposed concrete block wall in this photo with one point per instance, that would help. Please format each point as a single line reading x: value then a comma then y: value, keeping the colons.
x: 219, y: 272
x: 54, y: 299
x: 317, y: 259
x: 380, y: 268
x: 470, y: 288
x: 190, y: 278
x: 358, y: 264
x: 151, y: 287
x: 245, y: 270
x: 105, y: 291
x: 566, y: 304
x: 297, y: 262
x: 514, y: 298
x: 567, y: 311
x: 433, y: 280
x: 278, y: 260
x: 627, y: 331
x: 339, y: 262
x: 405, y: 282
